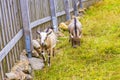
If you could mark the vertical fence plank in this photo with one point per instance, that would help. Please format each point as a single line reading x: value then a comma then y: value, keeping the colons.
x: 0, y: 38
x: 32, y: 10
x: 20, y: 25
x: 1, y: 69
x: 75, y: 8
x: 17, y: 21
x: 4, y: 66
x: 26, y: 26
x: 53, y: 15
x: 67, y: 11
x: 80, y: 1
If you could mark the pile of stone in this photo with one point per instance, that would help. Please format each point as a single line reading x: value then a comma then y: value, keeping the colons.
x: 22, y: 70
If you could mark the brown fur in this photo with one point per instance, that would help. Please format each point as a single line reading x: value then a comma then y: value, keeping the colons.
x: 50, y: 45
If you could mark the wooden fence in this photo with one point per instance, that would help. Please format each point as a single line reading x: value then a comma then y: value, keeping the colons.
x: 19, y: 21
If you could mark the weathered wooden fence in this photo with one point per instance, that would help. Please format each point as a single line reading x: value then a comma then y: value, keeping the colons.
x: 19, y: 21
x: 11, y: 34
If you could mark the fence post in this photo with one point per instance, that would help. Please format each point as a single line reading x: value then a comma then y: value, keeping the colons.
x: 67, y: 11
x: 26, y: 26
x: 75, y: 7
x: 53, y: 15
x: 81, y: 6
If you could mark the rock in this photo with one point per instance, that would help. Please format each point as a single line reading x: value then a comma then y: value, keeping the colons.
x: 67, y: 22
x: 35, y: 44
x: 18, y: 75
x: 28, y: 77
x: 38, y: 40
x: 24, y: 58
x: 81, y: 11
x: 24, y: 52
x: 21, y: 70
x: 63, y: 26
x: 37, y: 48
x: 36, y: 63
x: 22, y: 65
x: 11, y: 75
x: 35, y: 53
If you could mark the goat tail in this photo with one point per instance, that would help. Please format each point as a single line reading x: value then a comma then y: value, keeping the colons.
x: 75, y: 21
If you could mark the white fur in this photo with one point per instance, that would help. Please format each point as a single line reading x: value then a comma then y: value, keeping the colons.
x: 50, y: 42
x: 43, y: 37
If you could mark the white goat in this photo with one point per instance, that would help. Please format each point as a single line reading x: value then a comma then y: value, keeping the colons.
x: 48, y: 41
x: 75, y: 31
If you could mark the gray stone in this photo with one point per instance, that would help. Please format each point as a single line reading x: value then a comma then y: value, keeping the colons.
x: 36, y: 63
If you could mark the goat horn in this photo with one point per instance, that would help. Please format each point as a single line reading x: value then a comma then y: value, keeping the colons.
x: 49, y: 33
x: 38, y: 32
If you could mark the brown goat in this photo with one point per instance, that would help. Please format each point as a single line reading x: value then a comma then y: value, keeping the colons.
x: 48, y: 41
x: 75, y: 32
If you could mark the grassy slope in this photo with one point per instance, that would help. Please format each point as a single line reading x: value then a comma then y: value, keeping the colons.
x: 98, y: 57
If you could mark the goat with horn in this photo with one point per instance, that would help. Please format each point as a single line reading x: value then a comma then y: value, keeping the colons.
x: 48, y: 41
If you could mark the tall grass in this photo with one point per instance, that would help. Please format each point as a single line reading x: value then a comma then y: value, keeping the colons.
x: 98, y: 57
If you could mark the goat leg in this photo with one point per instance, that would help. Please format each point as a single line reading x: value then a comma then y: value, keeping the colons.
x: 69, y: 38
x: 74, y: 44
x: 49, y: 59
x: 43, y: 56
x: 53, y: 52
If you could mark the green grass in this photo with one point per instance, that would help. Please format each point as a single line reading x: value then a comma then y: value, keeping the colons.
x: 98, y: 57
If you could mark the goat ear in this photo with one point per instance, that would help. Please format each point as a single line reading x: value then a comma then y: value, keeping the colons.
x: 49, y: 33
x: 38, y: 32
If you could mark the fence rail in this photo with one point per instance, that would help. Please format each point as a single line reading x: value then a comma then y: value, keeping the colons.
x: 14, y: 29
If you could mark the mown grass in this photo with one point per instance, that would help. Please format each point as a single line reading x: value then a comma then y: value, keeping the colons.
x: 98, y: 57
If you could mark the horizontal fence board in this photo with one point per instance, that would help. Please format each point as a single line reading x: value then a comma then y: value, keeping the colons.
x: 46, y: 19
x: 63, y: 13
x: 10, y: 45
x: 40, y: 21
